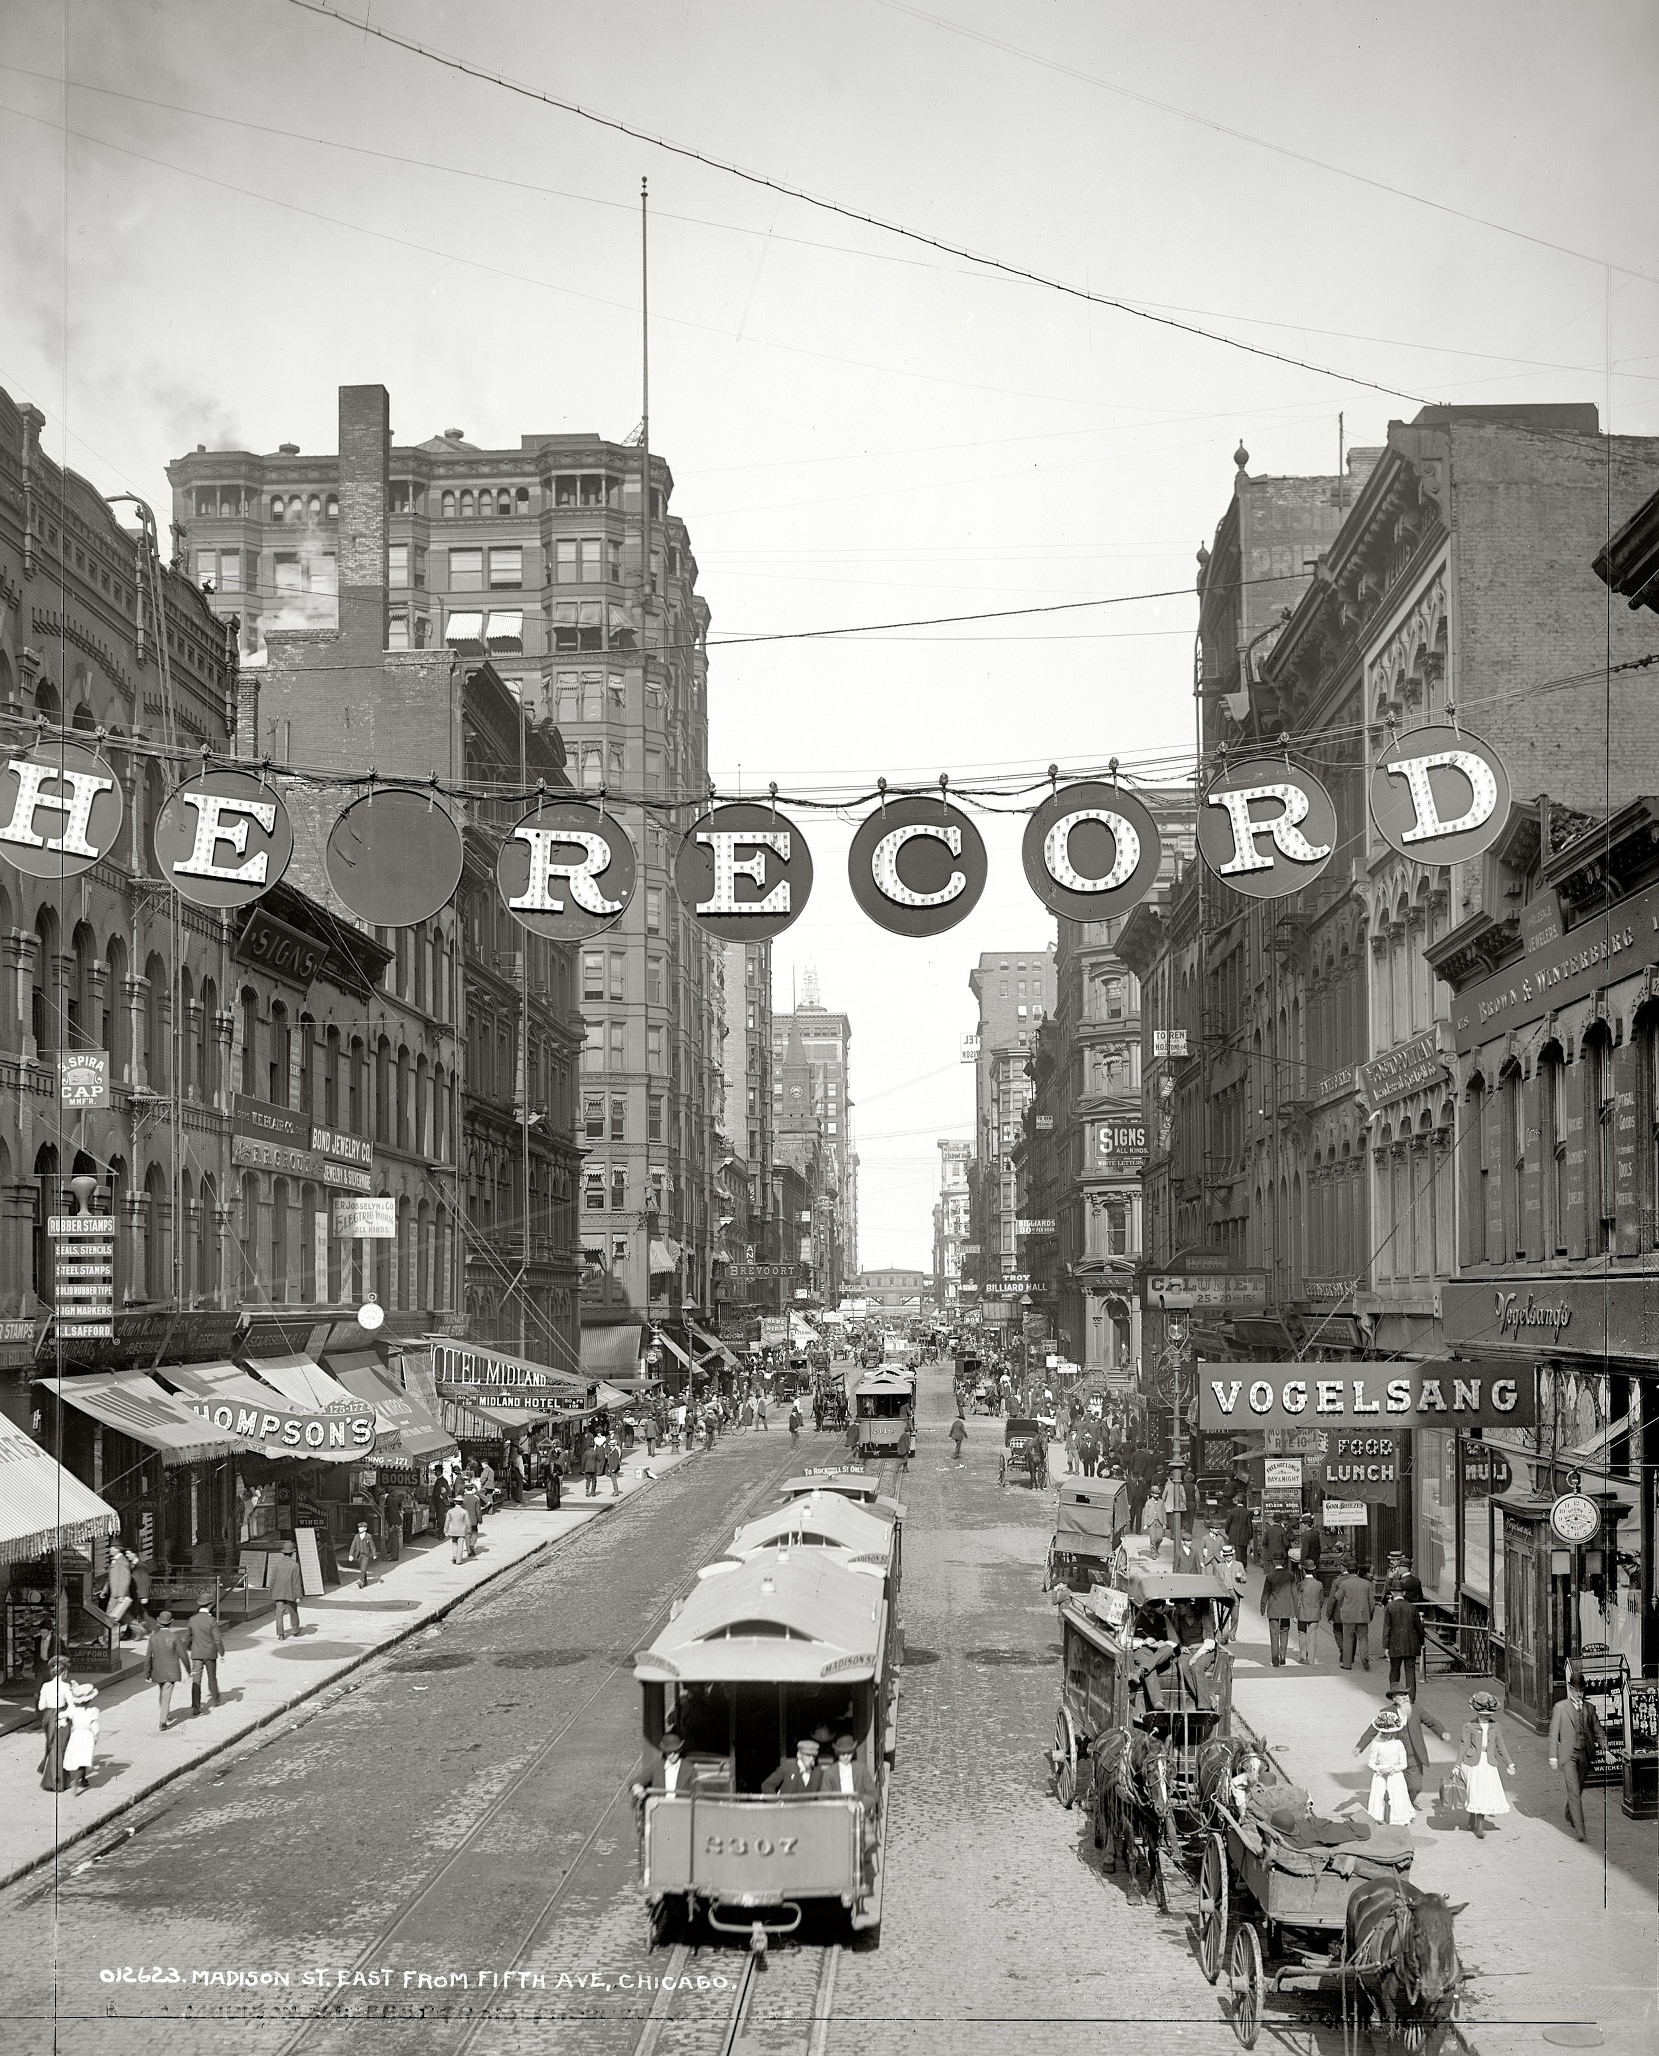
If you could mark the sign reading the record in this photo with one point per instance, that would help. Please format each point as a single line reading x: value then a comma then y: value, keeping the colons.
x: 60, y: 810
x: 1266, y: 829
x: 394, y: 856
x: 1440, y: 795
x: 1394, y: 1396
x: 743, y: 872
x: 223, y: 838
x: 567, y: 871
x: 917, y: 866
x: 1091, y: 851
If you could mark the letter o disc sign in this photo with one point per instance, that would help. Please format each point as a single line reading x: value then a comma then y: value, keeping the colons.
x: 1091, y: 851
x: 917, y: 866
x: 394, y: 857
x: 743, y: 872
x: 222, y: 839
x: 1440, y: 795
x: 567, y: 871
x: 60, y: 810
x: 1266, y: 829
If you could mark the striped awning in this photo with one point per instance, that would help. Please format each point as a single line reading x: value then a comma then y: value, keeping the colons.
x: 137, y: 1406
x: 406, y: 1428
x: 42, y: 1507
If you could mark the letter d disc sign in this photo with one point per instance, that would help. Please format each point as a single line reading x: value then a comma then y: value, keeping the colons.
x: 1266, y: 829
x: 567, y: 871
x: 60, y: 810
x: 222, y: 839
x: 1440, y: 795
x: 744, y: 872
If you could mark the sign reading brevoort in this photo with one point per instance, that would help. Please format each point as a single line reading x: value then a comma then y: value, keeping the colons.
x: 1398, y: 1395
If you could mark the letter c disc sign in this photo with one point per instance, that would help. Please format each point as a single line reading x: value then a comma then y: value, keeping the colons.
x: 567, y: 871
x: 222, y: 839
x: 917, y: 866
x: 1091, y: 851
x: 1267, y: 829
x: 1440, y: 795
x: 743, y: 872
x: 60, y: 810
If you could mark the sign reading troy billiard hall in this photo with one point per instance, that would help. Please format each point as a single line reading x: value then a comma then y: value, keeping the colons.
x: 1396, y: 1396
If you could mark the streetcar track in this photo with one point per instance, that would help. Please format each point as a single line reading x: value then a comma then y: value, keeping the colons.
x: 332, y: 2015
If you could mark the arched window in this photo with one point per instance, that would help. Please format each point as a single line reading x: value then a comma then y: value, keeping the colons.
x: 421, y: 1141
x: 155, y: 798
x: 281, y: 1054
x: 157, y: 1280
x: 332, y: 510
x: 314, y: 507
x: 522, y: 498
x: 504, y: 501
x: 278, y: 509
x: 1553, y: 1116
x: 279, y: 1241
x: 250, y: 1035
x: 383, y: 1089
x: 438, y: 1138
x: 188, y: 1230
x: 356, y: 1080
x: 1476, y: 1174
x: 47, y: 701
x: 424, y: 1295
x: 82, y: 1004
x: 115, y: 1036
x: 1513, y: 1148
x: 1601, y: 1120
x: 310, y: 1293
x: 251, y: 1282
x: 400, y: 1125
x: 331, y: 1077
x: 466, y: 505
x: 48, y: 1200
x: 43, y: 1021
x: 207, y: 1043
x: 307, y: 1066
x: 405, y: 1256
x: 156, y: 997
x: 447, y: 504
x: 209, y: 1271
x: 190, y: 1071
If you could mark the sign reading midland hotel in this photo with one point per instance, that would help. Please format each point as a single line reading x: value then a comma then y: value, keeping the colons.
x: 1396, y: 1395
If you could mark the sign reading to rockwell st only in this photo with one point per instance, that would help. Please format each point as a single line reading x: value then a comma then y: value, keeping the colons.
x: 1391, y: 1396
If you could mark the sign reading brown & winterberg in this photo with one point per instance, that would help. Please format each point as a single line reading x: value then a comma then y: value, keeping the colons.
x: 1595, y: 953
x: 1392, y: 1396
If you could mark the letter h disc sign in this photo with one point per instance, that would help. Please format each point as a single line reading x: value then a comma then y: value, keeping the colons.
x: 60, y: 810
x: 1266, y: 829
x: 743, y: 872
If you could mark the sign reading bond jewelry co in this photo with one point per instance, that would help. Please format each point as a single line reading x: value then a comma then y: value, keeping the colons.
x: 567, y: 871
x: 1439, y: 795
x: 1266, y: 829
x: 1392, y: 1396
x: 917, y: 866
x: 743, y: 872
x: 60, y: 810
x: 222, y: 839
x: 1091, y: 851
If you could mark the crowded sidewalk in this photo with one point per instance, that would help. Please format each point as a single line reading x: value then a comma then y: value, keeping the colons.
x: 1522, y: 1885
x: 262, y: 1678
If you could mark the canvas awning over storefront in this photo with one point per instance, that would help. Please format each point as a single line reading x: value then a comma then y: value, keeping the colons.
x: 399, y: 1416
x: 42, y: 1507
x: 667, y: 1342
x: 137, y: 1406
x: 259, y: 1417
x: 713, y: 1344
x: 612, y: 1352
x: 306, y: 1383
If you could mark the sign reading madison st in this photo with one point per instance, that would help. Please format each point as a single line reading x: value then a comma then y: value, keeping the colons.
x: 1395, y: 1395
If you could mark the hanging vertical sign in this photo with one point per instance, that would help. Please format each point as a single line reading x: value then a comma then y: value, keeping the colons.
x: 917, y: 866
x: 743, y: 872
x: 567, y: 870
x: 1091, y: 851
x: 223, y: 839
x: 1266, y: 829
x: 60, y: 810
x: 394, y: 856
x: 1440, y: 795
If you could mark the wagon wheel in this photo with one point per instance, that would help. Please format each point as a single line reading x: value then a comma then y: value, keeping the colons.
x: 1065, y: 1759
x: 1244, y: 1979
x: 1212, y: 1908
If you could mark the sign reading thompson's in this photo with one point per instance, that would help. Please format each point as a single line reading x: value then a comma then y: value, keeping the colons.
x: 1398, y: 1395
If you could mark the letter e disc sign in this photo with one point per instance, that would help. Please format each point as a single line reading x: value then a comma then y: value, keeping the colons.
x: 743, y: 872
x: 917, y: 866
x: 1091, y: 851
x: 1440, y: 795
x: 1266, y: 829
x: 394, y: 856
x: 222, y: 839
x: 567, y: 871
x: 60, y: 810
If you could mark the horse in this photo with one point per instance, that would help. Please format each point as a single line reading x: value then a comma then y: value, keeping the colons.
x: 1035, y: 1464
x: 1400, y: 1953
x: 1220, y: 1760
x: 1131, y: 1806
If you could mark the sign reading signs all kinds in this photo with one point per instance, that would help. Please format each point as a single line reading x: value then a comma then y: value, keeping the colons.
x: 1394, y: 1396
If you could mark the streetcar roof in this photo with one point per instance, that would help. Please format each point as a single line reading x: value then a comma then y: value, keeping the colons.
x: 789, y: 1617
x: 886, y: 1381
x: 831, y: 1514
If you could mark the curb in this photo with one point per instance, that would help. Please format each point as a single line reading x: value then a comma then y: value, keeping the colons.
x: 311, y: 1691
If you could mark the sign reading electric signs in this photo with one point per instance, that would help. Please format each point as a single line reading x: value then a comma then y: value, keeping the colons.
x: 917, y: 866
x: 1392, y: 1396
x: 743, y: 872
x: 1265, y: 829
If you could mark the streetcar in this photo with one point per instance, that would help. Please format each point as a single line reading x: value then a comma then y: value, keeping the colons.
x: 884, y: 1414
x: 862, y: 1487
x: 774, y: 1648
x: 861, y: 1536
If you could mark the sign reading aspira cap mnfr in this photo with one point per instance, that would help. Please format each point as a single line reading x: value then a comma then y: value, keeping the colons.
x: 1422, y: 1395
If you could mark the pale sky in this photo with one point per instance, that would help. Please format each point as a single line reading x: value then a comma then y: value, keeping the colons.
x: 259, y: 206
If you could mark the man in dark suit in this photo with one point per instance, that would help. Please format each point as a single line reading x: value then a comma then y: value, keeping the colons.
x: 166, y: 1664
x: 845, y: 1774
x: 1575, y: 1735
x: 797, y: 1773
x: 1238, y: 1530
x: 1403, y: 1640
x: 1413, y: 1721
x: 1349, y: 1610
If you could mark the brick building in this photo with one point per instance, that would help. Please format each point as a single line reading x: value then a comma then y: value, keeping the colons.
x: 1014, y: 990
x: 951, y: 1217
x: 812, y: 1115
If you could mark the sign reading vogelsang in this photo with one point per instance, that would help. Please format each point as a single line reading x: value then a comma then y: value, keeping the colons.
x: 1420, y: 1395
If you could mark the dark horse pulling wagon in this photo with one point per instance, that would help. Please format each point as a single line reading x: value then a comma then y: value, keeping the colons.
x: 1292, y: 1912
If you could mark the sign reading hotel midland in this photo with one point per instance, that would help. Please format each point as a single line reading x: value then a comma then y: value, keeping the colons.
x: 1394, y: 1396
x: 1599, y: 951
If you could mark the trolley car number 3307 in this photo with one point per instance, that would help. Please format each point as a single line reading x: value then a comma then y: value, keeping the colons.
x: 741, y: 1845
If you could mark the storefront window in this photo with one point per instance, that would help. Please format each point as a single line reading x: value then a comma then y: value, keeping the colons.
x: 1435, y: 1553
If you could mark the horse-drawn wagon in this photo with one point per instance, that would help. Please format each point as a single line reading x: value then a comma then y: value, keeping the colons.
x: 1024, y: 1451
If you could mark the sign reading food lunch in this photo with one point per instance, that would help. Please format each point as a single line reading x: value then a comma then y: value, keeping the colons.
x: 1394, y: 1395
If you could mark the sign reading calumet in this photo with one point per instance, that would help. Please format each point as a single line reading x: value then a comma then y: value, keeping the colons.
x: 1393, y: 1395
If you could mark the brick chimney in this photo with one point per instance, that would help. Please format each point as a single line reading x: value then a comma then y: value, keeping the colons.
x: 365, y: 492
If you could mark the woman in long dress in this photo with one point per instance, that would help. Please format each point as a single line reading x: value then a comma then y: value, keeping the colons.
x: 1389, y: 1801
x: 82, y: 1717
x: 56, y: 1697
x: 1483, y: 1744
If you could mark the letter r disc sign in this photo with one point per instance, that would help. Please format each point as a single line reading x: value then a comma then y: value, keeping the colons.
x: 60, y: 810
x: 222, y: 839
x: 567, y: 871
x: 744, y: 872
x: 1266, y: 828
x: 1440, y: 795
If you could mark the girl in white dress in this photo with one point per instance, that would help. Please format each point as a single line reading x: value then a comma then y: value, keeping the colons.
x: 1389, y: 1801
x: 82, y: 1716
x: 1483, y: 1745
